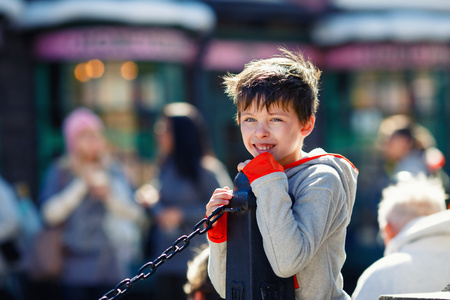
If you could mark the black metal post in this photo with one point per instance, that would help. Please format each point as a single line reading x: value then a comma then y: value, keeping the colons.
x: 249, y: 274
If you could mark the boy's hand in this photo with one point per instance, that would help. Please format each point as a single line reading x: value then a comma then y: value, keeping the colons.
x: 242, y: 165
x: 220, y: 197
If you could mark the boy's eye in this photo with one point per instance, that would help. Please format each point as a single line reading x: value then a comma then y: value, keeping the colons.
x: 249, y: 119
x: 276, y: 120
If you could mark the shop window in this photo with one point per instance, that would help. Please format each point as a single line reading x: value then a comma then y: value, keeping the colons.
x: 127, y: 95
x: 356, y: 102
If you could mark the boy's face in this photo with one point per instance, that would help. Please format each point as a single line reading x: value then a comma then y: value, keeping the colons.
x: 276, y: 131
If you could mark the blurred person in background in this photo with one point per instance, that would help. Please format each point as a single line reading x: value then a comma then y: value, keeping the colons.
x: 416, y: 231
x: 87, y: 193
x: 199, y: 286
x: 10, y: 227
x: 188, y: 174
x: 403, y: 144
x: 404, y: 148
x: 409, y: 147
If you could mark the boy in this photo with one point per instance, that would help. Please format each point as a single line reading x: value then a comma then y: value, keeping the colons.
x: 276, y: 103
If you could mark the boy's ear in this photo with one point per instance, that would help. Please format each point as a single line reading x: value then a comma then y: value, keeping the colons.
x: 308, y: 126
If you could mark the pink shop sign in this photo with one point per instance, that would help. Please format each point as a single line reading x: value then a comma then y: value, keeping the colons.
x: 232, y: 55
x: 116, y: 43
x: 388, y: 56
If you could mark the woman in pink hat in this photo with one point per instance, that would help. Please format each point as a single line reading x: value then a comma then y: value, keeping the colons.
x: 86, y: 192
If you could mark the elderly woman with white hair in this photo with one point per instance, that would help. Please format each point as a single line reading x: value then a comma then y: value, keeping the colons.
x: 415, y: 227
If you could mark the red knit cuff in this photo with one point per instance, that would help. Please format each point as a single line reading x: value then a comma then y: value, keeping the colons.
x: 218, y: 234
x: 261, y: 165
x: 296, y: 286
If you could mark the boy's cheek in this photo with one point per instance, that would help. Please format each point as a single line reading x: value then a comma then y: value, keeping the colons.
x: 249, y: 147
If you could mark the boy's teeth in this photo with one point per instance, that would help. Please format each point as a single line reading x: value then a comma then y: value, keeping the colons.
x: 264, y: 147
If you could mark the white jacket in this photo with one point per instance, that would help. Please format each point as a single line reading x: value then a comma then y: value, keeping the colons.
x: 417, y: 260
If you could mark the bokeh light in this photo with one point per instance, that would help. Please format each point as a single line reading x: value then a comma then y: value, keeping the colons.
x: 129, y: 70
x: 80, y: 72
x: 95, y: 68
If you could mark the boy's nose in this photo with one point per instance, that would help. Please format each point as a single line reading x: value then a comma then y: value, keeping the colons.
x: 261, y: 130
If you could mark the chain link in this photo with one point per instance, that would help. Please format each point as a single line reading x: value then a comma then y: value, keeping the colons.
x: 179, y: 245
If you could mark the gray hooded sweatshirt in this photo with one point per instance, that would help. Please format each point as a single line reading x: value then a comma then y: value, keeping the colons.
x: 307, y: 239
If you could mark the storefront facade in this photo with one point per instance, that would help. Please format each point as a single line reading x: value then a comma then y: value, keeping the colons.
x: 125, y: 64
x: 126, y: 60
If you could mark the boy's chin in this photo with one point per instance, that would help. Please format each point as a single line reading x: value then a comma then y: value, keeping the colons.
x: 265, y: 152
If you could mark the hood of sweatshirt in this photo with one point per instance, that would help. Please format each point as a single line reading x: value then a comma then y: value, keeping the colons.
x: 437, y: 224
x: 347, y: 171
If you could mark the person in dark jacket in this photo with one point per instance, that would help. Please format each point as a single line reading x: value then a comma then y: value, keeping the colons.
x: 188, y: 174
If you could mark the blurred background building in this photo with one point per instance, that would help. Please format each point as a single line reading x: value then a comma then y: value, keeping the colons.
x: 126, y: 59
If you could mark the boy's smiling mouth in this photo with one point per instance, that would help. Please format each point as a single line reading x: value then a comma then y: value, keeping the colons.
x: 263, y: 147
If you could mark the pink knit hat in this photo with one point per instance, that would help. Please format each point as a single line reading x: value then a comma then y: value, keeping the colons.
x: 78, y: 120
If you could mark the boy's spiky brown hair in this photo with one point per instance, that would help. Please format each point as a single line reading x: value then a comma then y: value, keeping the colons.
x: 287, y: 80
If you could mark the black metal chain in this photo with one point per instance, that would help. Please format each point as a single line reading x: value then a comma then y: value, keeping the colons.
x: 150, y: 268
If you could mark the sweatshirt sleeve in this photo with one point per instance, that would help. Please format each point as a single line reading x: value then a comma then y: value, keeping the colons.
x: 58, y: 207
x: 260, y: 166
x: 217, y: 266
x: 218, y: 234
x: 292, y: 235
